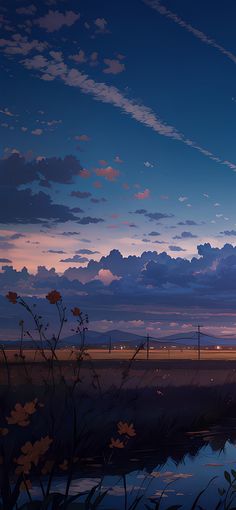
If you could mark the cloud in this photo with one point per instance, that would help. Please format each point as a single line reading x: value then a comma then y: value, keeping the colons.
x: 182, y: 199
x: 59, y: 252
x: 147, y: 164
x: 79, y: 58
x: 156, y: 5
x: 98, y: 200
x: 142, y: 195
x: 187, y: 222
x: 75, y: 259
x: 111, y: 95
x: 37, y: 132
x: 106, y: 276
x: 5, y: 261
x: 176, y: 248
x: 26, y: 207
x: 29, y: 10
x: 109, y: 173
x: 185, y: 235
x: 228, y: 233
x: 117, y: 159
x: 20, y: 45
x: 85, y: 251
x: 15, y: 170
x: 101, y: 24
x: 114, y: 66
x: 83, y: 138
x: 86, y: 220
x: 81, y: 194
x: 156, y: 216
x: 69, y: 234
x: 154, y: 233
x: 54, y: 20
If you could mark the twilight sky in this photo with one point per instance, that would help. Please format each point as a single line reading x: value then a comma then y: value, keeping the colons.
x: 117, y: 134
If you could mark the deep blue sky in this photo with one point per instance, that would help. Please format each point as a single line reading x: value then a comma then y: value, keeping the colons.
x: 142, y: 95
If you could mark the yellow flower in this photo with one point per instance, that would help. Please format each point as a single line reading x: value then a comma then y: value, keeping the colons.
x: 126, y: 428
x: 116, y: 443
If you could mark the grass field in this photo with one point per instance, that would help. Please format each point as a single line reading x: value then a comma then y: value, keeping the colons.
x: 126, y: 354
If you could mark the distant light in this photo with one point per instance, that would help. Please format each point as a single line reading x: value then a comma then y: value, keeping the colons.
x: 218, y: 347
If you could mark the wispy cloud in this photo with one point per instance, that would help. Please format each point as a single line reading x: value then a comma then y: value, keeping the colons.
x: 161, y: 9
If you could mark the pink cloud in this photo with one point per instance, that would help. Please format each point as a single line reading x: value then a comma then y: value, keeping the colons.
x: 106, y: 276
x: 142, y: 194
x: 97, y: 184
x: 82, y: 138
x: 113, y: 66
x: 109, y: 173
x: 54, y: 20
x: 85, y: 173
x: 102, y: 162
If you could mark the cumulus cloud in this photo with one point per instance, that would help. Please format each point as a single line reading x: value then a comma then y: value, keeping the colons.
x: 54, y: 20
x: 75, y: 259
x: 108, y: 172
x: 228, y: 233
x: 176, y: 248
x: 81, y: 194
x: 142, y: 195
x: 28, y: 10
x: 87, y: 219
x: 114, y: 66
x: 185, y: 235
x: 154, y: 233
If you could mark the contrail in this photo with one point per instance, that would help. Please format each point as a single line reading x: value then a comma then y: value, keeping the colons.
x: 156, y: 5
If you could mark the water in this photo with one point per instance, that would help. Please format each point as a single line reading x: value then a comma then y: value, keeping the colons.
x: 181, y: 481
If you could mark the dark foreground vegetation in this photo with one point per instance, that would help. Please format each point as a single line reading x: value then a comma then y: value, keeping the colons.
x: 69, y: 424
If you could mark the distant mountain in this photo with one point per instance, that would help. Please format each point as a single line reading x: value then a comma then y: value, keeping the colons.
x: 118, y: 338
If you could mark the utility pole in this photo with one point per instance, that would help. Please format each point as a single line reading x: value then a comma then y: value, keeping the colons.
x: 110, y: 345
x: 199, y: 341
x: 148, y: 345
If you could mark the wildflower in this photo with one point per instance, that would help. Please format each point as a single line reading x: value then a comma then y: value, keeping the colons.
x: 12, y: 297
x: 116, y: 443
x: 64, y: 465
x: 20, y: 414
x: 32, y: 452
x: 3, y: 432
x: 76, y: 311
x: 25, y: 485
x: 47, y: 468
x: 53, y: 297
x: 126, y: 428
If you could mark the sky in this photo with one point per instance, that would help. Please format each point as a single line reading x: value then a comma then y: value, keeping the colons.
x: 117, y: 160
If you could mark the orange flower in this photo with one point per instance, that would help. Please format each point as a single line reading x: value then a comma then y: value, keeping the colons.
x: 3, y: 432
x: 47, y: 468
x: 12, y: 297
x: 31, y: 454
x: 126, y: 428
x: 26, y: 484
x: 76, y: 311
x: 53, y: 297
x: 20, y: 414
x: 64, y: 465
x: 116, y: 443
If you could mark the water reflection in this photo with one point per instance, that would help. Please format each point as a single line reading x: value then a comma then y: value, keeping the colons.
x: 181, y: 480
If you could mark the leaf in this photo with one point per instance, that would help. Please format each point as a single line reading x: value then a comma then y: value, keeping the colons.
x: 227, y: 476
x: 194, y: 505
